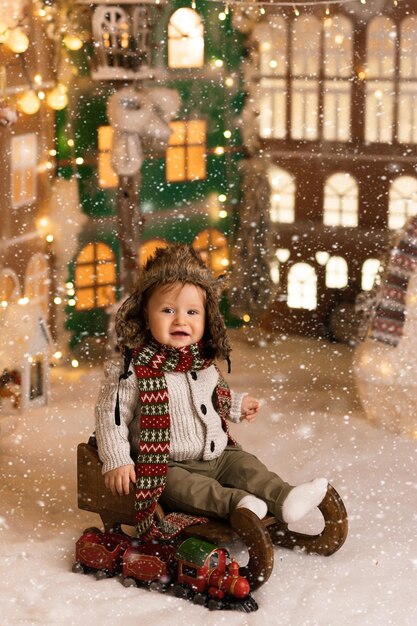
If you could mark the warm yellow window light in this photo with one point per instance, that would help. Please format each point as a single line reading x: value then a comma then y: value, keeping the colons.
x: 106, y: 175
x: 186, y: 152
x: 29, y: 103
x: 213, y: 248
x: 185, y: 39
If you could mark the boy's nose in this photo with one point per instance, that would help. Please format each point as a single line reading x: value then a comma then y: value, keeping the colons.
x: 179, y: 319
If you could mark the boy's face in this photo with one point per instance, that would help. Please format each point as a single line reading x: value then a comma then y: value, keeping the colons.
x: 176, y: 314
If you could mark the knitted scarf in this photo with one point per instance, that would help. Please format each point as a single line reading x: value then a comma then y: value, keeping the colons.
x: 150, y: 364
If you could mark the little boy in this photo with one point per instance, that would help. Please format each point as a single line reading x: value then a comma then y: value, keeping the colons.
x: 172, y: 440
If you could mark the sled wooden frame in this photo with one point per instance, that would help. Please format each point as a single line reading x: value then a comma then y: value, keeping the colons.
x: 259, y: 536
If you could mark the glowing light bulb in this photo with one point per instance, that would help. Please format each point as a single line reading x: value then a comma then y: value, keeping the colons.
x: 29, y: 103
x: 57, y: 98
x: 73, y: 42
x: 246, y: 317
x: 17, y: 41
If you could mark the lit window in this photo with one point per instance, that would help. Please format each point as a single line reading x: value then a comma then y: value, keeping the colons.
x: 273, y: 67
x: 185, y: 39
x: 213, y: 249
x: 336, y: 273
x: 37, y: 282
x: 370, y: 270
x: 407, y: 103
x: 186, y: 152
x: 24, y: 156
x: 341, y: 201
x: 402, y: 202
x: 9, y: 286
x: 148, y: 248
x: 305, y: 69
x: 281, y: 256
x: 380, y: 93
x: 274, y: 271
x: 95, y: 277
x: 282, y: 195
x: 302, y: 287
x: 338, y: 71
x: 107, y: 177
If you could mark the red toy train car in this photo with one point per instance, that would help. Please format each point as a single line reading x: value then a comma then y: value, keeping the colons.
x: 194, y: 569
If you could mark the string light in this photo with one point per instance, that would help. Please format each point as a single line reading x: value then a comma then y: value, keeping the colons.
x: 288, y: 3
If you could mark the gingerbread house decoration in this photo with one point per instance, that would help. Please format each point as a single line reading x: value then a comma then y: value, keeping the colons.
x: 25, y: 346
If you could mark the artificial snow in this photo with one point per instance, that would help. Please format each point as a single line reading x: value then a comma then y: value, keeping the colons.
x: 310, y: 424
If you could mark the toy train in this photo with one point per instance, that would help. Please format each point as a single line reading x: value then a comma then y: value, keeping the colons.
x: 194, y: 569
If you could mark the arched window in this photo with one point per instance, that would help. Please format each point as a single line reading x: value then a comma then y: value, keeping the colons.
x: 407, y: 105
x: 402, y: 201
x: 369, y: 272
x: 148, y: 248
x: 336, y: 273
x: 302, y: 287
x: 107, y: 177
x: 9, y: 286
x: 95, y: 277
x: 338, y: 72
x: 273, y: 67
x: 281, y: 256
x: 305, y: 69
x: 282, y: 195
x: 185, y: 39
x: 341, y: 201
x: 380, y: 74
x: 214, y: 250
x: 37, y: 282
x: 186, y: 151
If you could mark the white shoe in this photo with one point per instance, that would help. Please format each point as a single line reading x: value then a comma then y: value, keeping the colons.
x: 303, y: 499
x: 254, y: 504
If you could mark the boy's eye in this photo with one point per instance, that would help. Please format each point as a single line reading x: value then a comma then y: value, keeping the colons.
x: 167, y: 309
x: 192, y: 312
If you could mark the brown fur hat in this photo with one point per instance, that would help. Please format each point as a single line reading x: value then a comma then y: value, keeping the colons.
x: 176, y: 263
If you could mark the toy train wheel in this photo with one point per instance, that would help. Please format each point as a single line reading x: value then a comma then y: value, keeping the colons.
x: 101, y: 574
x: 78, y: 568
x: 214, y: 605
x: 156, y: 585
x: 129, y: 582
x: 200, y: 599
x: 181, y: 592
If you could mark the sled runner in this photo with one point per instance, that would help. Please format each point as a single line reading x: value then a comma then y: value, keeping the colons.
x: 259, y: 536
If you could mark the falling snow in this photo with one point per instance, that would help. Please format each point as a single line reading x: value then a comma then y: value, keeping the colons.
x: 310, y: 424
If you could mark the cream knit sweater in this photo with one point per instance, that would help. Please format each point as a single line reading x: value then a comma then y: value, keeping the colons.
x: 196, y: 428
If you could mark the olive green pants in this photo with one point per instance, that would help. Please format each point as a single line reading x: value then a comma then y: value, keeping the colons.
x: 214, y: 488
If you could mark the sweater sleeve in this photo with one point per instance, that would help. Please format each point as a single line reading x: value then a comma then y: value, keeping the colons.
x: 112, y: 440
x: 236, y: 408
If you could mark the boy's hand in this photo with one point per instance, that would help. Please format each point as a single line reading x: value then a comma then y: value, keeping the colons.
x: 118, y: 480
x: 250, y: 408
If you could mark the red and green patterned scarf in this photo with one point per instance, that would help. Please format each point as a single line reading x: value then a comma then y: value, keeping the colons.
x: 150, y: 364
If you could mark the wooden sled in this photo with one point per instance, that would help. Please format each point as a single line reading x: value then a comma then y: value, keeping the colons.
x: 259, y: 536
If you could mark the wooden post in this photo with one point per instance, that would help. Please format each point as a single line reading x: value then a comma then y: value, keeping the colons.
x: 129, y: 222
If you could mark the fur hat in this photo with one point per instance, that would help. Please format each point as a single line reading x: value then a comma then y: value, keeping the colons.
x: 176, y: 263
